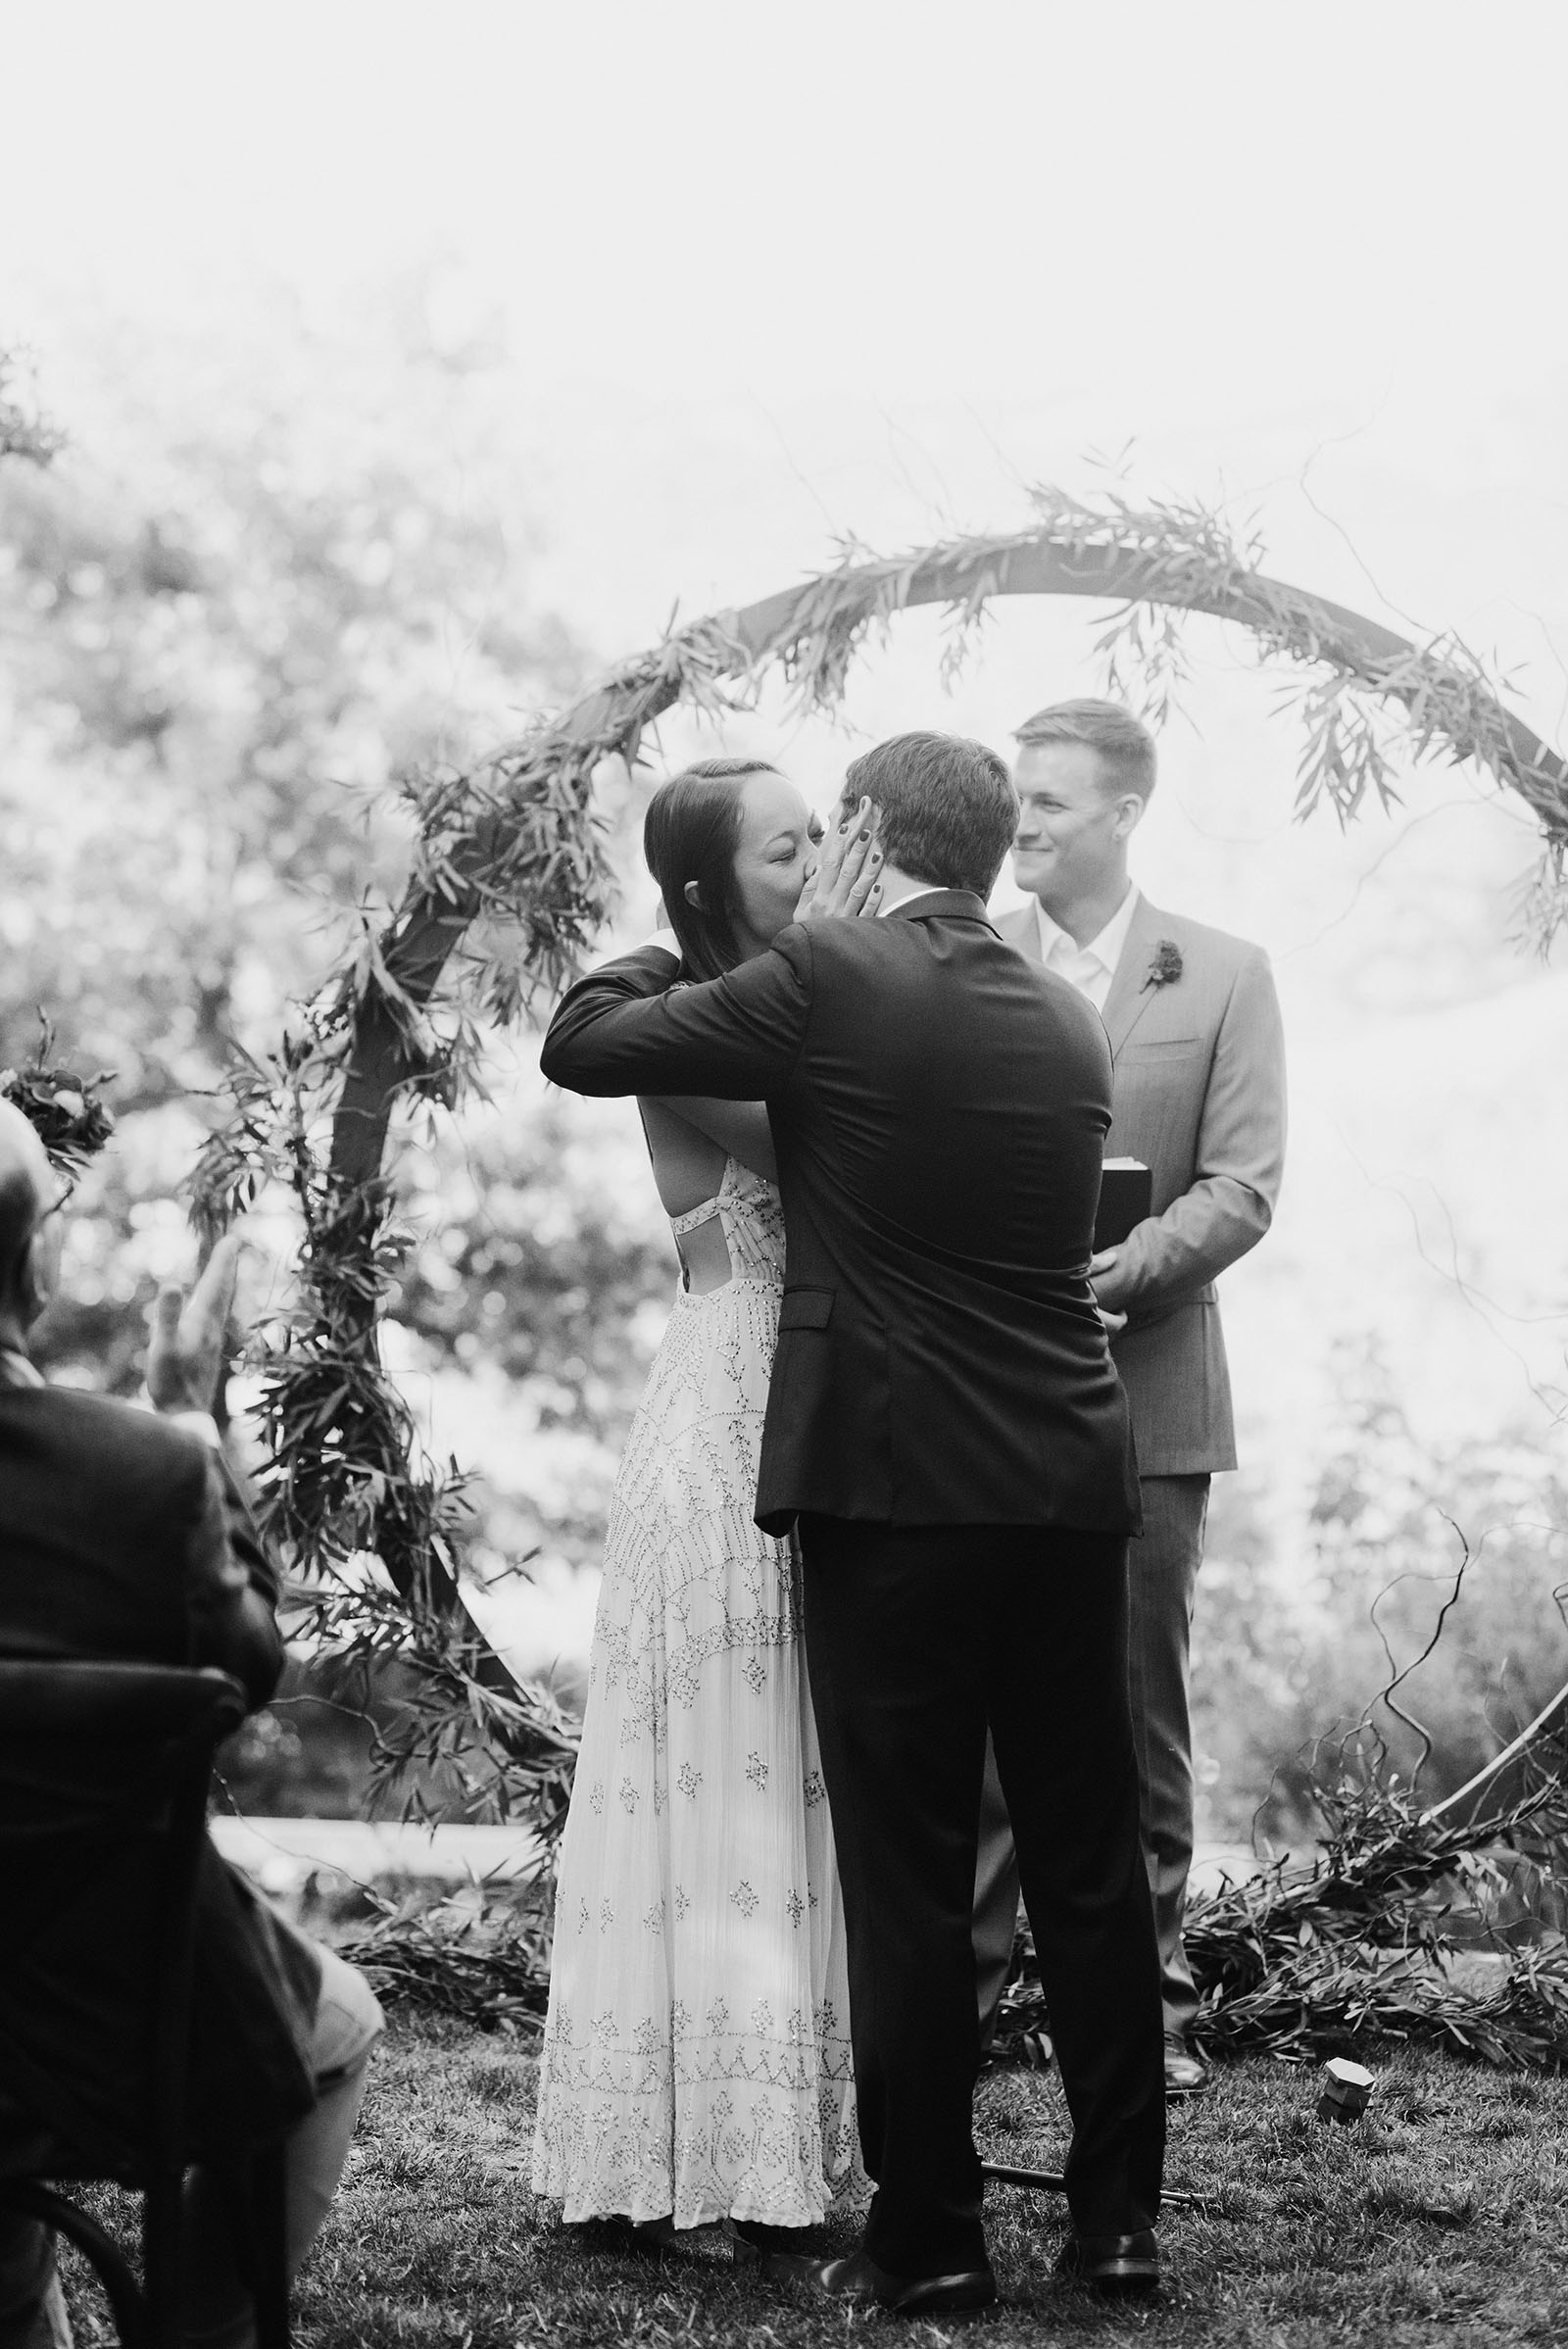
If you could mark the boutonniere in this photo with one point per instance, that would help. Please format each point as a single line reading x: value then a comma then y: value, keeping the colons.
x: 1166, y: 967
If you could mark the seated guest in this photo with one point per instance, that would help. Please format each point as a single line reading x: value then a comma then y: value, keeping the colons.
x: 125, y: 1535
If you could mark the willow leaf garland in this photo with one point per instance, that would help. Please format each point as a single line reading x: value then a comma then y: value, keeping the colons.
x: 517, y: 840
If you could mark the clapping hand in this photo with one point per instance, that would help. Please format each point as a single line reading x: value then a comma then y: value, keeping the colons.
x: 848, y: 878
x: 185, y: 1354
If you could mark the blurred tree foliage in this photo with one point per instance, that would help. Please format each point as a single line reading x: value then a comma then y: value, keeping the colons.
x: 541, y: 1270
x: 265, y: 577
x: 221, y: 643
x: 1288, y: 1650
x: 234, y: 611
x: 530, y: 1305
x: 23, y: 431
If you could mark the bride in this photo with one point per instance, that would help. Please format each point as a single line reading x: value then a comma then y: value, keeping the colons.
x: 696, y: 2060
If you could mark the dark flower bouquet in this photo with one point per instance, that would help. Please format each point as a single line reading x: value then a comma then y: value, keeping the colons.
x: 1166, y: 967
x: 63, y: 1109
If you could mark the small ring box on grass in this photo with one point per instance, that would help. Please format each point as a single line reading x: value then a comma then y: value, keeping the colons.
x: 1346, y: 2091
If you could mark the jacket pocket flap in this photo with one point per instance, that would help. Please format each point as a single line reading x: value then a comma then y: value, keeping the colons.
x: 806, y: 1309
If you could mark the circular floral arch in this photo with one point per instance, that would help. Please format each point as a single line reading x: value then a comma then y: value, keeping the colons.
x: 509, y: 882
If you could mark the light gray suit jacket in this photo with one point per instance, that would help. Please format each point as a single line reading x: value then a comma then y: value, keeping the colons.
x: 1198, y: 1094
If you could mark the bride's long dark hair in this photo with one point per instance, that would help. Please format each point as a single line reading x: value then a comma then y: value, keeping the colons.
x: 689, y: 834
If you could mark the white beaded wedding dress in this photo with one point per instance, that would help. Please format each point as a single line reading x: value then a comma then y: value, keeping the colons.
x: 696, y: 2060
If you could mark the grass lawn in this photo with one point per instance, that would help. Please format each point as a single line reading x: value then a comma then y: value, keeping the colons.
x: 1443, y: 2216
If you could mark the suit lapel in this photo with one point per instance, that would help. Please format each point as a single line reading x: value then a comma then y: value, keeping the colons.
x: 1129, y: 999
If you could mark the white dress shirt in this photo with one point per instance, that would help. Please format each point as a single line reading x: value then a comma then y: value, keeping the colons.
x: 1092, y: 967
x: 922, y: 889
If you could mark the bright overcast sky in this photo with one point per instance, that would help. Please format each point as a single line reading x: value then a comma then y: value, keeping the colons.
x: 1231, y: 205
x: 759, y: 274
x: 846, y: 249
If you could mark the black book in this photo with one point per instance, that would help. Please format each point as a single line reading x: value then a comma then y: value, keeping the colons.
x: 1126, y: 1198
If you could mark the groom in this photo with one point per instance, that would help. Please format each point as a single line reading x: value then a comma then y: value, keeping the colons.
x: 946, y: 1428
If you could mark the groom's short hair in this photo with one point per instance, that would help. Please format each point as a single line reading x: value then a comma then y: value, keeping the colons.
x: 949, y: 808
x: 1125, y: 744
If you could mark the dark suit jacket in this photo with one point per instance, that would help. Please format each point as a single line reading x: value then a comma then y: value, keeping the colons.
x: 124, y: 1539
x: 939, y: 1110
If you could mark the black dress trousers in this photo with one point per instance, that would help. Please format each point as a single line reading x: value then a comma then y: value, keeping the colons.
x: 917, y: 1638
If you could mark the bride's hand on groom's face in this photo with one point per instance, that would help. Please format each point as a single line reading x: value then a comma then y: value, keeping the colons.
x: 848, y: 880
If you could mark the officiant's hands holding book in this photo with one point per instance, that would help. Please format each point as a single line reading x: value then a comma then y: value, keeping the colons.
x: 1102, y: 1281
x: 1108, y: 1281
x: 1126, y: 1198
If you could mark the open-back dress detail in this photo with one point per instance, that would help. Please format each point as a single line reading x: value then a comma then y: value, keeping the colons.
x: 696, y: 2058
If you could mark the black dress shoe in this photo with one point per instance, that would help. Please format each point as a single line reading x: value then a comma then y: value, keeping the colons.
x: 859, y: 2280
x: 1113, y: 2263
x: 647, y: 2235
x: 1186, y: 2073
x: 753, y: 2239
x: 761, y: 2234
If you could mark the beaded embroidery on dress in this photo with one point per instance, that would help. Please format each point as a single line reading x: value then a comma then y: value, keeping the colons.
x: 696, y: 2057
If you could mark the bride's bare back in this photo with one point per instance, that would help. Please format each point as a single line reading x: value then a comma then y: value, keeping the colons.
x: 690, y: 1142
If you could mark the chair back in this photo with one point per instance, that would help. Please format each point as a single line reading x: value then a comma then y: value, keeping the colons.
x: 103, y: 1772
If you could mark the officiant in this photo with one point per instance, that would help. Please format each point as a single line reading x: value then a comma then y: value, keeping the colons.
x: 1198, y: 1097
